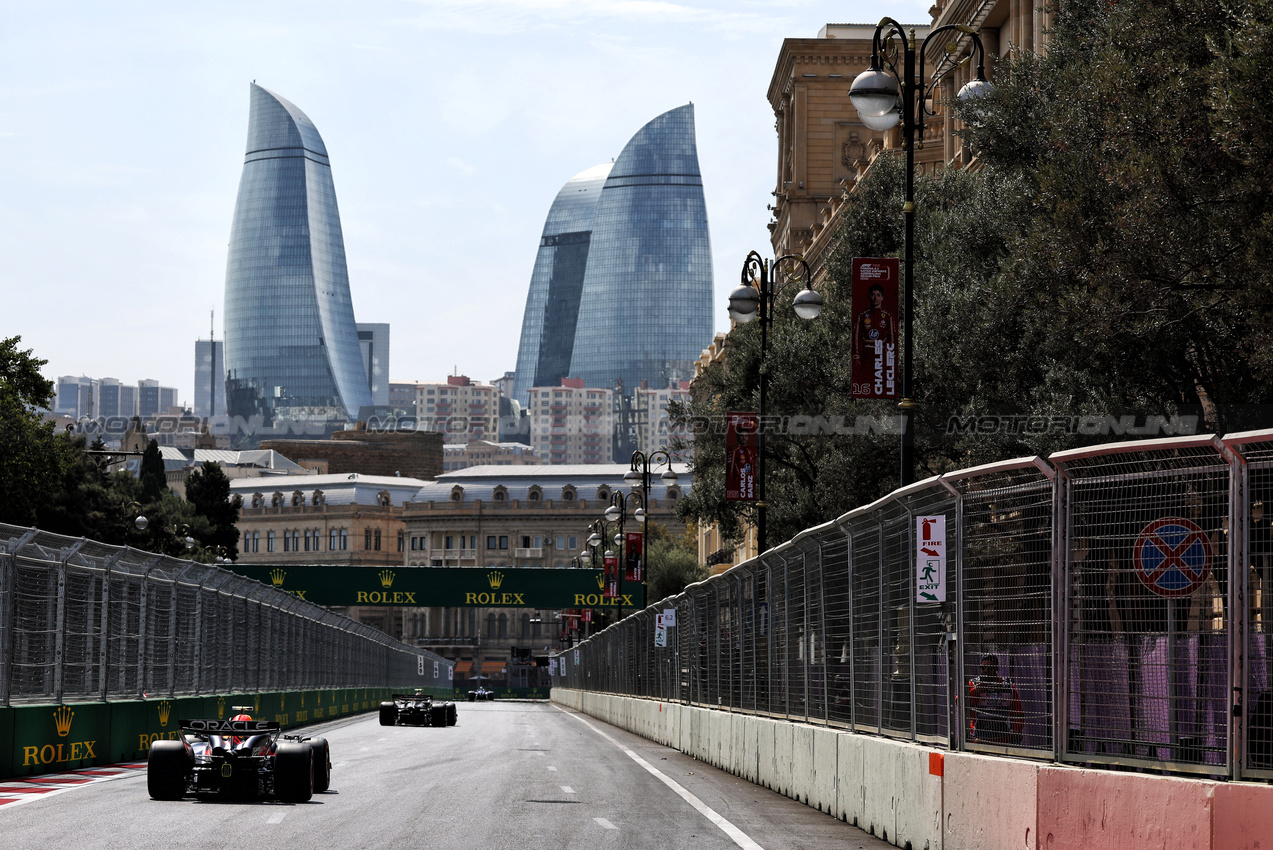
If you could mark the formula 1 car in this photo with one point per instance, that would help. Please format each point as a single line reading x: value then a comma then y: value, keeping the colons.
x: 481, y: 695
x: 239, y: 758
x: 417, y: 709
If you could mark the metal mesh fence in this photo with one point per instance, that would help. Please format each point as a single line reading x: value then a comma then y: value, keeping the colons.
x: 84, y: 621
x: 1106, y: 606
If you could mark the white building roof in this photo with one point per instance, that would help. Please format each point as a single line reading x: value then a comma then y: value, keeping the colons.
x: 480, y: 482
x: 344, y: 489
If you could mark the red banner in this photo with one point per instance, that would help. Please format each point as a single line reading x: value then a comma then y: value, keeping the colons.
x: 587, y: 615
x: 612, y: 577
x: 741, y: 455
x: 875, y: 333
x: 635, y: 555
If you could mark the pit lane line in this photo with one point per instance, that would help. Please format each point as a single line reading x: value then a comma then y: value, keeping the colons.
x: 735, y: 834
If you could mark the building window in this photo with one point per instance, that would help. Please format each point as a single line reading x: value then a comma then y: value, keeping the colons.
x: 561, y: 542
x: 490, y: 625
x: 490, y: 541
x: 332, y: 540
x: 344, y: 540
x: 450, y: 542
x: 503, y: 625
x: 503, y: 541
x: 573, y: 544
x: 377, y: 547
x: 366, y: 539
x: 269, y: 541
x: 414, y: 543
x: 287, y: 541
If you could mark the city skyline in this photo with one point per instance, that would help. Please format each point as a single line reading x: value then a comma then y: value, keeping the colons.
x: 116, y: 250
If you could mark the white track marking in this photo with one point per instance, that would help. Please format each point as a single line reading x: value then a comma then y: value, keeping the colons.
x: 277, y: 817
x: 550, y: 767
x: 735, y: 834
x: 567, y: 789
x: 605, y: 823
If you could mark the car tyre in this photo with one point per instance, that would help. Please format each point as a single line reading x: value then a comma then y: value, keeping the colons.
x: 294, y: 772
x: 472, y: 697
x: 452, y: 714
x: 388, y: 713
x: 167, y: 770
x: 437, y: 715
x: 322, y: 764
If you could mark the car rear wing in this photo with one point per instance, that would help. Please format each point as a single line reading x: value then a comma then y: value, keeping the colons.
x: 229, y: 727
x: 411, y: 696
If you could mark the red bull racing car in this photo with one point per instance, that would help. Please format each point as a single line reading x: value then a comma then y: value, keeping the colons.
x: 417, y: 709
x: 240, y: 759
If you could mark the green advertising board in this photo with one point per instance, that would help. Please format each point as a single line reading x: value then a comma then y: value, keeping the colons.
x: 451, y: 587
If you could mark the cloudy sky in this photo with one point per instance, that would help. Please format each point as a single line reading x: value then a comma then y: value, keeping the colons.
x: 450, y: 125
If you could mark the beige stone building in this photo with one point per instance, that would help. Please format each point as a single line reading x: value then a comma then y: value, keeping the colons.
x: 323, y: 519
x: 511, y: 517
x: 488, y: 453
x: 460, y: 409
x: 572, y: 424
x: 654, y: 427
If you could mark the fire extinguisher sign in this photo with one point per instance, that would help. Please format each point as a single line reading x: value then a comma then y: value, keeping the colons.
x: 930, y: 559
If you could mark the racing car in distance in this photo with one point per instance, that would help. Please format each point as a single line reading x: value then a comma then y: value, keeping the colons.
x: 240, y: 759
x: 417, y: 709
x: 481, y: 694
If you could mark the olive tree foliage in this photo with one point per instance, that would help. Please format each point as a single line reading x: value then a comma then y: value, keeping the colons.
x: 33, y: 458
x: 1107, y: 257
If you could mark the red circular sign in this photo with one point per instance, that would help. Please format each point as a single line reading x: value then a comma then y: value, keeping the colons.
x: 1173, y: 556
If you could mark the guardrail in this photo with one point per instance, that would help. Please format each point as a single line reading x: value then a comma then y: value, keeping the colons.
x: 1124, y: 592
x: 84, y: 621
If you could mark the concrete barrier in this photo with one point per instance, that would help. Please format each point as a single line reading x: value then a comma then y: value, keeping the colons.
x: 1242, y: 816
x: 989, y: 802
x: 802, y: 773
x: 933, y: 799
x: 826, y: 748
x: 1103, y: 810
x: 766, y: 759
x: 784, y: 732
x: 850, y: 791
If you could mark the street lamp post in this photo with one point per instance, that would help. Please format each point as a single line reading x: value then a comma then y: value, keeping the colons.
x: 762, y: 281
x: 880, y: 106
x: 638, y: 478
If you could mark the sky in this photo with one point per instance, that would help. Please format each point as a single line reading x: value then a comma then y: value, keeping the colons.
x: 450, y: 126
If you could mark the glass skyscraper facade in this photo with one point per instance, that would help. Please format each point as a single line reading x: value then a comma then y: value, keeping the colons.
x: 291, y: 342
x: 621, y: 291
x: 552, y: 306
x: 645, y: 313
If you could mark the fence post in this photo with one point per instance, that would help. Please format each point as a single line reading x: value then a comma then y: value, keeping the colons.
x: 59, y: 626
x: 103, y: 650
x: 1061, y: 614
x: 1239, y: 611
x: 954, y: 640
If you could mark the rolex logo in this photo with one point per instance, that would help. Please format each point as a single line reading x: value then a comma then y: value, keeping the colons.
x: 62, y: 717
x: 386, y: 578
x: 601, y: 581
x: 277, y: 576
x: 496, y: 578
x: 165, y: 709
x: 220, y: 708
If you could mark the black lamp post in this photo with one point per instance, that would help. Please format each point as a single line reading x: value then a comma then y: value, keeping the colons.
x: 762, y: 281
x: 880, y: 106
x: 638, y: 478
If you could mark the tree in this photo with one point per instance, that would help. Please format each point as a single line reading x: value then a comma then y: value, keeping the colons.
x: 31, y: 454
x: 208, y: 491
x: 153, y: 479
x: 672, y: 563
x: 1107, y: 257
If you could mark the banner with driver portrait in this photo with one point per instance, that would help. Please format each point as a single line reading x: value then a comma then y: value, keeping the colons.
x: 875, y: 333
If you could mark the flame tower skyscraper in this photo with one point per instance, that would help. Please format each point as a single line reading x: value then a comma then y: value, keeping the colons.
x: 291, y: 342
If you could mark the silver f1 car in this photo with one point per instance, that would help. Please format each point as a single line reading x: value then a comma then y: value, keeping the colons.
x: 417, y: 709
x: 239, y: 758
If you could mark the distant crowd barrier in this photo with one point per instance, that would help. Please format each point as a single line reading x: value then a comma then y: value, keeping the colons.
x: 1105, y: 606
x: 84, y: 621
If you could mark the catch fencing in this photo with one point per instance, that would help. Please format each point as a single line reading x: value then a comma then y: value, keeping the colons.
x: 81, y: 620
x: 1105, y: 606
